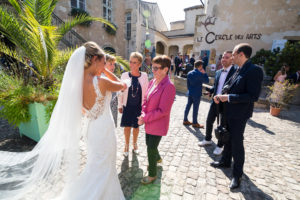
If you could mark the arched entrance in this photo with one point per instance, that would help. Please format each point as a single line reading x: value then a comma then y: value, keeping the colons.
x: 160, y: 48
x: 110, y: 50
x: 173, y: 50
x: 187, y: 49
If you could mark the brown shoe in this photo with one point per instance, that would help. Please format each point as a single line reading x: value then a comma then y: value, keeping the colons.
x: 198, y: 125
x: 187, y: 123
x: 147, y: 180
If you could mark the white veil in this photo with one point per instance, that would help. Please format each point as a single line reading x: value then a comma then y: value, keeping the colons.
x: 54, y: 162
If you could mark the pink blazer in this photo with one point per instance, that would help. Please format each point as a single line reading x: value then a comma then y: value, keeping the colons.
x: 157, y: 108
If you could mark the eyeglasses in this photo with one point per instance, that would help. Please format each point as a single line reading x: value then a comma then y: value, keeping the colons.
x: 156, y: 68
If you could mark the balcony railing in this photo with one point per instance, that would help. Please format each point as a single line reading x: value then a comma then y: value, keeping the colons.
x: 71, y: 38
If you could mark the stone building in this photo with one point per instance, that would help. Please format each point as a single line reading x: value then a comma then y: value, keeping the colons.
x: 144, y: 21
x: 260, y: 23
x: 181, y: 35
x: 112, y: 10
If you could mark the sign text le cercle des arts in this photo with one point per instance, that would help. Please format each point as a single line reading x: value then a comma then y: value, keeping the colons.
x: 211, y: 37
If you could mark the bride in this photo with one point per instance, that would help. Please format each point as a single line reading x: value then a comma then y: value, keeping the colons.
x: 76, y: 158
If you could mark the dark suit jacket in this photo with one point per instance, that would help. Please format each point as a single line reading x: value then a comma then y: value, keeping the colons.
x: 293, y: 78
x: 244, y: 91
x: 194, y: 82
x: 214, y: 89
x: 177, y: 61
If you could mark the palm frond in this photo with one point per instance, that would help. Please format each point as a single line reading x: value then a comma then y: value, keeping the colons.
x: 124, y: 63
x: 15, y: 55
x: 63, y: 56
x: 17, y: 33
x: 68, y: 25
x: 16, y: 5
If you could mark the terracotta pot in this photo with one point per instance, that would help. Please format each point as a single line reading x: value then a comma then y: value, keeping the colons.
x: 274, y: 111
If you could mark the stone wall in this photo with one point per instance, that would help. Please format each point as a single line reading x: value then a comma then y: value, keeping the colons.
x: 96, y: 32
x: 258, y: 22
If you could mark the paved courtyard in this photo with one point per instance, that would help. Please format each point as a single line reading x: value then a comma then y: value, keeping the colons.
x: 272, y: 166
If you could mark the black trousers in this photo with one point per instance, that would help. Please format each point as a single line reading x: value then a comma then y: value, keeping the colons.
x: 235, y: 147
x: 211, y: 117
x: 177, y: 70
x: 152, y: 142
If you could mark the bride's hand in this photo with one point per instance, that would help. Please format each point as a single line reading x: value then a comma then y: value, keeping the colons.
x: 124, y: 86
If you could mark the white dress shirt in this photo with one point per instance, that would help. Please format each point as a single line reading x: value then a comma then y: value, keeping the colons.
x: 222, y: 79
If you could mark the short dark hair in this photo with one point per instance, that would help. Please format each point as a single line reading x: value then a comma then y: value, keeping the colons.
x: 245, y: 48
x: 198, y: 63
x: 228, y: 51
x: 163, y: 60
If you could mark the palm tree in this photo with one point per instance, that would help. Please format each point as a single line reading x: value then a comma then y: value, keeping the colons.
x: 29, y: 28
x: 27, y: 24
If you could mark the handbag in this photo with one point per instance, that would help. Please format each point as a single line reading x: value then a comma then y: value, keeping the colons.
x: 221, y: 132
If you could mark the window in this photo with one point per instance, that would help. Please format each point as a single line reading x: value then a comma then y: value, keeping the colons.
x: 78, y: 4
x: 107, y: 10
x: 128, y: 25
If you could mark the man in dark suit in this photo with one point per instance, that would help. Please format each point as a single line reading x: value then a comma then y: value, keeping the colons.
x: 192, y: 60
x: 244, y: 90
x: 205, y: 60
x: 294, y: 78
x: 195, y: 79
x: 177, y: 61
x: 221, y: 77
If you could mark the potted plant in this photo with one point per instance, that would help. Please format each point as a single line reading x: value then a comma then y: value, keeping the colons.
x: 78, y: 12
x: 280, y: 94
x: 110, y: 30
x: 29, y: 86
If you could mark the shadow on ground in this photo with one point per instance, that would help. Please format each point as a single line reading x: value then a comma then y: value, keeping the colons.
x: 10, y: 139
x: 201, y: 136
x: 248, y: 189
x: 261, y: 126
x: 130, y: 179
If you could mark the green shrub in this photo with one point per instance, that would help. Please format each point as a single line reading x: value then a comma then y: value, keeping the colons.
x: 273, y: 60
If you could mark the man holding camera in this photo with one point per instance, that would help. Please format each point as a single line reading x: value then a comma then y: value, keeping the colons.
x: 222, y: 76
x: 242, y: 91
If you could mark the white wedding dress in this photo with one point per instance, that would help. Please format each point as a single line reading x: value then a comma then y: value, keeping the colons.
x: 98, y: 179
x: 76, y: 157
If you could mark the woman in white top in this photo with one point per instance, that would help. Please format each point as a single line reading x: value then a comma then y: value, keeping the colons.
x: 279, y: 78
x: 130, y: 100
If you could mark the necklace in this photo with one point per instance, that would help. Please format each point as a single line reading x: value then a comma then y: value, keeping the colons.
x: 137, y: 89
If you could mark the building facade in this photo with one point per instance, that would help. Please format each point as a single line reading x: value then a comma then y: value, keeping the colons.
x: 146, y: 20
x: 112, y: 10
x: 257, y: 22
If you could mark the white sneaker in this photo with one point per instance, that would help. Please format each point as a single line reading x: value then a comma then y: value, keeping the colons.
x: 125, y: 153
x: 218, y: 151
x: 204, y: 143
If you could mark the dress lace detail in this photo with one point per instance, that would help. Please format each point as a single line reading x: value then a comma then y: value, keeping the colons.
x: 98, y: 107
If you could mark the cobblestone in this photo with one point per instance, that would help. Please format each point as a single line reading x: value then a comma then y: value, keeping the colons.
x: 272, y: 161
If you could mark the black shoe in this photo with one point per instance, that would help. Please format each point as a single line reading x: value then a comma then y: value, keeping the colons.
x: 235, y: 183
x: 219, y: 164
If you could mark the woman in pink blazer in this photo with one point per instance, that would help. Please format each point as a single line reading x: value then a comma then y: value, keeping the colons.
x: 156, y: 112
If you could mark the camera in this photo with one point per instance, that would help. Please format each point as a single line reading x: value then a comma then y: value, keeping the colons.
x: 222, y: 134
x: 225, y: 89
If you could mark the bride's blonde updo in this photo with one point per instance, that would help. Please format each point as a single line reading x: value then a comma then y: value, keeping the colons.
x: 92, y: 49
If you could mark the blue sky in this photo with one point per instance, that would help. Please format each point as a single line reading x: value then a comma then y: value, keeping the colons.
x: 172, y: 10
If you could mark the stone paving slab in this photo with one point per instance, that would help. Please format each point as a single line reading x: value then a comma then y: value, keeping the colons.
x: 272, y: 162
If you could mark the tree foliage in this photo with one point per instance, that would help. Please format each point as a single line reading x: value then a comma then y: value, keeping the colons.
x: 28, y: 26
x: 273, y: 60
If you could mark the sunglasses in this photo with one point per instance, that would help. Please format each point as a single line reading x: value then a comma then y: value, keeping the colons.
x: 156, y: 68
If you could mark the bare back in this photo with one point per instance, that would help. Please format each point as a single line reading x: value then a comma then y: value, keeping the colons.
x: 89, y: 93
